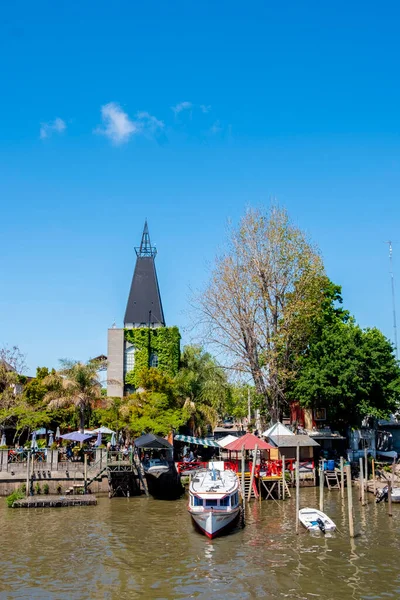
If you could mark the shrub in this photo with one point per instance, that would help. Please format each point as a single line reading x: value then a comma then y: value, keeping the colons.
x: 3, y: 447
x: 15, y: 495
x: 38, y: 489
x: 45, y: 488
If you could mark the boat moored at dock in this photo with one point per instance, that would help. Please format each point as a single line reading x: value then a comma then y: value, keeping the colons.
x: 214, y: 501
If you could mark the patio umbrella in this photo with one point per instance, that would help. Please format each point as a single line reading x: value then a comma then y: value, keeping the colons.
x: 76, y: 436
x: 34, y: 442
x: 57, y: 433
x: 103, y: 429
x: 3, y: 440
x: 99, y: 440
x: 51, y: 439
x: 113, y: 439
x: 42, y: 431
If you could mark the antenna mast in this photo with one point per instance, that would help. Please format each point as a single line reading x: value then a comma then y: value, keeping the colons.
x: 393, y: 297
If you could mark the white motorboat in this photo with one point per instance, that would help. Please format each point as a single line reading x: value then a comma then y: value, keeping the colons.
x: 315, y: 520
x: 214, y: 501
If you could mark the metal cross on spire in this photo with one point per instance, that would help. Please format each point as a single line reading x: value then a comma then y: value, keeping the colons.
x: 146, y: 249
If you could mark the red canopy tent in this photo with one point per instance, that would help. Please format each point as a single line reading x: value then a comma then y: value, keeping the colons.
x: 249, y: 441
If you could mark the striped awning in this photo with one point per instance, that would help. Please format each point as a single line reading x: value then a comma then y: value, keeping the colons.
x: 190, y: 439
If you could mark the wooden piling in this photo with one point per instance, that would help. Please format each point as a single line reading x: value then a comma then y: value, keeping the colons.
x: 28, y: 474
x: 253, y: 468
x: 342, y: 477
x: 366, y: 471
x: 243, y: 468
x: 350, y: 501
x: 297, y: 487
x: 283, y: 478
x: 85, y: 472
x: 361, y: 480
x: 373, y: 477
x: 321, y: 490
x: 390, y: 499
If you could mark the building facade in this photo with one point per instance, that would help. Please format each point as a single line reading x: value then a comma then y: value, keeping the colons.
x: 144, y: 341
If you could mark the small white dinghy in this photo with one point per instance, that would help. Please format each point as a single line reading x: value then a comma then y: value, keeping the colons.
x: 315, y: 520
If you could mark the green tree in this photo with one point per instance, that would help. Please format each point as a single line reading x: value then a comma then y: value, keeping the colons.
x: 349, y: 371
x: 204, y: 388
x: 154, y: 406
x: 77, y: 385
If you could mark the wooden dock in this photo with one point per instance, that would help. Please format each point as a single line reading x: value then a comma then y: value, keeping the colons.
x: 55, y: 501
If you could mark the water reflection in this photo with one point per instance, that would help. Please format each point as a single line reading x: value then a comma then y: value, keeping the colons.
x: 142, y: 548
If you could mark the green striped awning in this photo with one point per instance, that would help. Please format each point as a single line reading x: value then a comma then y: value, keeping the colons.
x: 190, y: 439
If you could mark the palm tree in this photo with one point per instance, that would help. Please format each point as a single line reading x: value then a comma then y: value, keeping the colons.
x: 203, y: 385
x: 74, y: 384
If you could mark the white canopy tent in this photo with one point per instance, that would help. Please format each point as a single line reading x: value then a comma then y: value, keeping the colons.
x: 277, y: 429
x: 227, y: 440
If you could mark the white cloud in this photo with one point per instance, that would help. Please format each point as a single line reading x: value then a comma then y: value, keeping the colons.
x: 205, y: 109
x: 148, y: 123
x: 117, y: 126
x: 56, y: 126
x: 178, y: 108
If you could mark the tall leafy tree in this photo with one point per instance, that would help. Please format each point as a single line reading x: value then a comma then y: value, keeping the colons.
x: 261, y: 295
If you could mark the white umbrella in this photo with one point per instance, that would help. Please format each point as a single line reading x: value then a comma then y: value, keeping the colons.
x: 113, y: 440
x: 103, y: 429
x: 3, y: 440
x: 51, y: 439
x: 34, y: 442
x: 58, y: 433
x: 98, y: 441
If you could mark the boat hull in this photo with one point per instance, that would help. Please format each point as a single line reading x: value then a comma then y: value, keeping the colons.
x: 165, y: 485
x: 215, y: 523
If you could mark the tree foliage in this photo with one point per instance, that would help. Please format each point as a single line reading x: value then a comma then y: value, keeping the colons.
x: 349, y: 371
x: 75, y: 384
x: 262, y: 294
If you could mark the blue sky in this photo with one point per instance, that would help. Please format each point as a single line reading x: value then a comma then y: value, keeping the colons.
x: 185, y: 113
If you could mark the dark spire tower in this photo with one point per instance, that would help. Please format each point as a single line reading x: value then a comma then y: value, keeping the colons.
x: 144, y: 339
x: 144, y: 307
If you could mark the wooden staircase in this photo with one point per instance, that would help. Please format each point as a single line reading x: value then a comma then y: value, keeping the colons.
x: 332, y: 480
x: 247, y: 480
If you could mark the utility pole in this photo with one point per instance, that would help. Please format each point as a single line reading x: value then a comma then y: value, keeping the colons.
x: 393, y: 296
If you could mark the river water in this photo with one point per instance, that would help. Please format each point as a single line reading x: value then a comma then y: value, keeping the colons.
x: 144, y: 548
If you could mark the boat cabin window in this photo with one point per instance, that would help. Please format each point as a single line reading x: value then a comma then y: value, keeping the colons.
x: 224, y: 501
x: 197, y: 501
x: 212, y: 502
x: 234, y: 499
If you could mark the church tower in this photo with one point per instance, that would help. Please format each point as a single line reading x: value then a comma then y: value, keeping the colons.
x: 144, y: 341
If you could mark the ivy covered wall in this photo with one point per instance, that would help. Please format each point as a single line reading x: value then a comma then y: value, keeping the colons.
x: 163, y: 341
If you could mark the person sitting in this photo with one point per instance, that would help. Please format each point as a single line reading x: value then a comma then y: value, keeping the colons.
x: 191, y: 456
